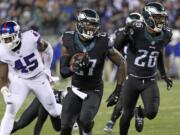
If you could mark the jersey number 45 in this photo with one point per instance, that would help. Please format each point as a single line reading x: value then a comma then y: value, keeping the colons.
x: 26, y: 64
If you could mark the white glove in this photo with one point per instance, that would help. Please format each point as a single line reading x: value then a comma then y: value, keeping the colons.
x: 6, y: 95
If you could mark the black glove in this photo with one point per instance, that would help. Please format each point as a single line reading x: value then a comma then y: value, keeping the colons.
x: 128, y: 27
x: 168, y: 81
x: 79, y: 62
x: 114, y: 97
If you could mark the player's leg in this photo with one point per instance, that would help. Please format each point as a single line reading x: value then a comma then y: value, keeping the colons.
x: 43, y: 91
x: 19, y: 93
x: 151, y: 99
x: 28, y: 115
x: 56, y: 123
x: 70, y: 111
x: 130, y: 96
x: 41, y: 118
x: 89, y: 110
x: 117, y: 111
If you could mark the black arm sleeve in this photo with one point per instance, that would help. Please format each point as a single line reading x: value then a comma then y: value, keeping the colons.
x: 161, y: 66
x: 64, y: 67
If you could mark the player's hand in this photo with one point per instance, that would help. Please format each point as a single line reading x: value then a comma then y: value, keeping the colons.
x: 114, y: 97
x: 79, y: 61
x: 6, y: 95
x: 129, y: 26
x: 168, y: 81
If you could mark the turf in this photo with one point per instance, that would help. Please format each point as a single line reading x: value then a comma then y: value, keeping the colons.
x: 166, y: 123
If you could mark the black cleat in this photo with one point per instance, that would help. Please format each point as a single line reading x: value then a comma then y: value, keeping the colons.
x: 139, y: 119
x: 109, y: 126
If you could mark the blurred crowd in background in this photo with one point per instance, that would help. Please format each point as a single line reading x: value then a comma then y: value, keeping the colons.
x: 53, y: 17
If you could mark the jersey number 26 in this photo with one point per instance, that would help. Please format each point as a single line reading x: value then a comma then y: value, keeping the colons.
x: 151, y: 58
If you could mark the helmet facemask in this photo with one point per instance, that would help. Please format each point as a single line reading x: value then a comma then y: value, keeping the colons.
x: 155, y: 17
x: 87, y: 26
x: 160, y: 21
x: 10, y: 39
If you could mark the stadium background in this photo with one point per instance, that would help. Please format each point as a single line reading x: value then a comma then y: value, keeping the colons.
x: 52, y: 17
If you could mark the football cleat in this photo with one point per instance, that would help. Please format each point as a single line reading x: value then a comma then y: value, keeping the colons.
x: 139, y: 119
x: 109, y: 126
x: 75, y: 126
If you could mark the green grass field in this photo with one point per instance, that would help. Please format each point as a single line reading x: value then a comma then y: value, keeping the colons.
x: 166, y: 123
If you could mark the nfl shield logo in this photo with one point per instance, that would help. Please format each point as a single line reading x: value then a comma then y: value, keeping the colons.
x: 153, y: 42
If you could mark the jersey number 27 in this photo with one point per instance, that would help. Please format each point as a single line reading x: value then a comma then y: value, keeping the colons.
x: 91, y: 69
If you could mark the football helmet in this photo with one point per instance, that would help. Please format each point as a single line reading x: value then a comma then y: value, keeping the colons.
x: 10, y: 34
x: 134, y: 16
x: 155, y: 16
x: 87, y: 23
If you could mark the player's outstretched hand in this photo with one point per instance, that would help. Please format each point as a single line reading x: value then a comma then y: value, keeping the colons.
x: 168, y: 81
x: 114, y: 97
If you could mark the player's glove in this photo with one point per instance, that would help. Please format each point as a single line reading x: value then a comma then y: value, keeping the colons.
x: 168, y: 81
x: 114, y: 97
x: 79, y: 61
x: 128, y: 27
x: 6, y: 95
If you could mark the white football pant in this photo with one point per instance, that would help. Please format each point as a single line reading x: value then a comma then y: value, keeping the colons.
x: 20, y: 89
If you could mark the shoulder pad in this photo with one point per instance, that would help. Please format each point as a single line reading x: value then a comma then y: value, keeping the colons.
x: 102, y: 34
x: 69, y: 32
x: 35, y: 33
x: 31, y: 34
x: 120, y: 29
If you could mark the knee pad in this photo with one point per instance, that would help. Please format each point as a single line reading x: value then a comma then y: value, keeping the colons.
x: 151, y: 115
x: 55, y: 112
x: 54, y: 108
x: 66, y: 130
x: 86, y: 126
x: 151, y: 112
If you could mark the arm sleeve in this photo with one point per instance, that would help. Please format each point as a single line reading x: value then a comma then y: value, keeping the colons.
x: 48, y: 56
x: 64, y: 67
x: 161, y: 66
x: 65, y: 58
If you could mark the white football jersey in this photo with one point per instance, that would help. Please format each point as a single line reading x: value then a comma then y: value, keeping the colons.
x: 26, y: 61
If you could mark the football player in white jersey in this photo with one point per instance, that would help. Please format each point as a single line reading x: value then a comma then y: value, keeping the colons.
x: 22, y: 53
